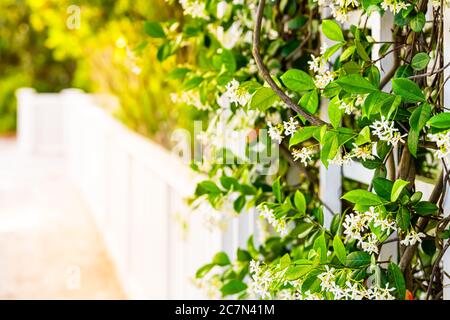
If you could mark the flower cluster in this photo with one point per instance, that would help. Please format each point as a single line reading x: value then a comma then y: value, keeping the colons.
x: 352, y: 290
x: 394, y: 6
x: 339, y: 8
x: 262, y: 280
x: 442, y: 140
x: 304, y: 154
x: 235, y: 94
x: 412, y: 238
x: 385, y: 131
x: 195, y: 9
x: 191, y: 98
x: 357, y: 226
x: 319, y: 66
x: 279, y: 225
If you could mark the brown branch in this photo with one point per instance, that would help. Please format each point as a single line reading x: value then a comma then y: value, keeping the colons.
x: 266, y: 74
x: 436, y: 267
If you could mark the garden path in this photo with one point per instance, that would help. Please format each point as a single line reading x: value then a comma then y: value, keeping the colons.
x: 49, y: 245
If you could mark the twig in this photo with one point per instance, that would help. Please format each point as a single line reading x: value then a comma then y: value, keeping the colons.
x: 435, y: 268
x: 266, y: 74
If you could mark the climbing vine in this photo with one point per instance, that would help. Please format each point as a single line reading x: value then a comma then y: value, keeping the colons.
x: 251, y: 65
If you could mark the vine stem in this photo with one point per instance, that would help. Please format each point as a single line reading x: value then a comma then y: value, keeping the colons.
x: 266, y: 74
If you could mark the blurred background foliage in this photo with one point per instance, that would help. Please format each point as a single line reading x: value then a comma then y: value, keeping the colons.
x: 107, y: 54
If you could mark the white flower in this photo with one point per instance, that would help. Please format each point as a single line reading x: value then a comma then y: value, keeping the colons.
x: 340, y: 160
x: 221, y: 9
x: 370, y: 244
x: 394, y: 6
x: 385, y: 131
x: 323, y: 79
x: 196, y: 9
x: 230, y: 37
x: 327, y: 279
x: 353, y: 291
x: 303, y: 154
x: 290, y: 127
x: 190, y: 98
x: 412, y: 238
x: 385, y: 224
x: 236, y: 94
x: 377, y: 293
x: 316, y: 64
x: 347, y: 107
x: 279, y: 225
x: 362, y: 152
x: 255, y: 266
x: 442, y: 141
x: 275, y: 133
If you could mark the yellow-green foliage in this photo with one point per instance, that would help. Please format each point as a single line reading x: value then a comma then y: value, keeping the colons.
x: 106, y: 54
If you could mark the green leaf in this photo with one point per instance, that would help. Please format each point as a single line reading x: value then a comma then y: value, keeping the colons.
x: 192, y: 83
x: 347, y: 53
x: 310, y: 101
x: 300, y: 202
x: 397, y: 189
x: 332, y: 30
x: 403, y: 218
x: 285, y: 261
x: 395, y: 276
x: 363, y: 136
x: 298, y: 80
x: 383, y: 187
x: 239, y: 203
x: 207, y: 187
x: 339, y: 249
x: 417, y: 22
x: 361, y: 51
x: 221, y: 259
x: 276, y: 188
x: 302, y: 134
x: 356, y: 84
x: 417, y: 122
x: 420, y: 61
x: 201, y: 272
x: 154, y: 29
x: 263, y: 99
x: 329, y: 148
x: 320, y: 244
x: 232, y: 287
x: 331, y: 50
x: 440, y: 121
x: 425, y: 208
x: 357, y: 259
x: 362, y: 197
x: 334, y: 112
x: 408, y: 90
x: 296, y: 271
x: 243, y: 255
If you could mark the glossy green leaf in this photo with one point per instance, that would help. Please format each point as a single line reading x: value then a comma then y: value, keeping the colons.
x: 332, y: 30
x: 408, y: 90
x: 298, y: 80
x: 263, y: 99
x: 397, y: 189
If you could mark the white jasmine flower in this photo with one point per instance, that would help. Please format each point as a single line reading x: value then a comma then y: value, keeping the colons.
x: 340, y: 160
x: 394, y: 6
x: 347, y: 107
x: 290, y: 127
x: 412, y: 238
x: 370, y: 244
x: 327, y: 279
x: 353, y: 291
x: 362, y: 152
x: 275, y: 133
x: 279, y: 225
x: 195, y: 9
x: 316, y: 64
x: 236, y: 94
x: 323, y: 79
x: 221, y: 9
x: 303, y: 154
x: 377, y: 293
x: 442, y: 141
x: 230, y: 37
x: 386, y: 131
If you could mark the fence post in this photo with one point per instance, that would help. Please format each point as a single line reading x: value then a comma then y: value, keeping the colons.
x: 26, y: 131
x: 446, y: 55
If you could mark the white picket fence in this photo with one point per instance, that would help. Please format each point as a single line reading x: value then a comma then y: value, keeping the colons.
x: 134, y: 188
